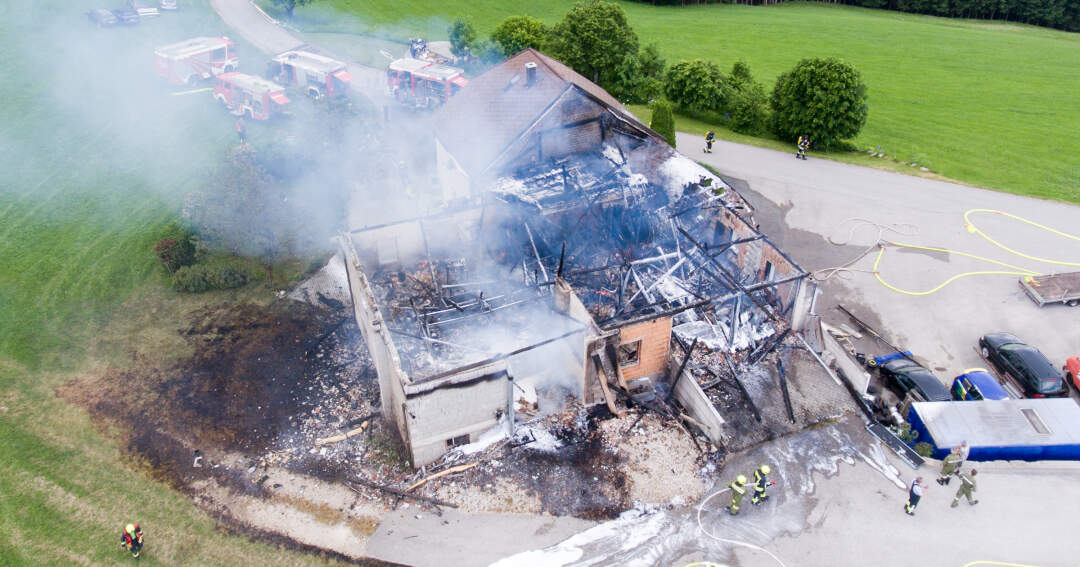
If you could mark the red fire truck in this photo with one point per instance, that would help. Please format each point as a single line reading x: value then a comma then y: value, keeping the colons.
x: 191, y: 61
x: 319, y: 76
x: 254, y: 96
x: 423, y: 84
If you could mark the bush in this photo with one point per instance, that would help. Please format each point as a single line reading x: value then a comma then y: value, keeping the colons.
x: 749, y: 111
x: 822, y: 98
x: 696, y: 86
x: 175, y: 253
x: 663, y: 122
x: 191, y: 279
x: 202, y: 277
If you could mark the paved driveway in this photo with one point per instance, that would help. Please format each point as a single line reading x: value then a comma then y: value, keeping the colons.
x: 802, y: 202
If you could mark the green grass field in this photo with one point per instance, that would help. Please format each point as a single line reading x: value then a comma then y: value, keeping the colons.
x: 986, y: 103
x: 96, y: 156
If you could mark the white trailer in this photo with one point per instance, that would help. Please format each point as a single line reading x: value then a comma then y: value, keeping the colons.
x: 193, y: 60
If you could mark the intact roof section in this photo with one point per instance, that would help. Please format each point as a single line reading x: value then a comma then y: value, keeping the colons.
x: 497, y: 107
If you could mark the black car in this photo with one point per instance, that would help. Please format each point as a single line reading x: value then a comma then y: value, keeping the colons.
x: 126, y: 16
x: 1028, y: 367
x: 904, y: 375
x: 101, y: 17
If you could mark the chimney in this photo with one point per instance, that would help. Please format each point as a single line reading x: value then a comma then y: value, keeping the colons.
x: 530, y: 74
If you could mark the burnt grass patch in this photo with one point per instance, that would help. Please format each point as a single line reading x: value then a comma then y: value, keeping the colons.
x: 253, y: 371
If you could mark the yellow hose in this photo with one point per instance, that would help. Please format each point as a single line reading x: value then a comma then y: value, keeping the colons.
x: 1013, y: 269
x: 974, y: 229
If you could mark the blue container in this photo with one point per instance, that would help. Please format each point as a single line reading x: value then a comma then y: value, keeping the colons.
x: 1000, y: 430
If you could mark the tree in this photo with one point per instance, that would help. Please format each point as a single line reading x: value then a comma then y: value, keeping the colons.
x: 696, y: 85
x: 462, y: 35
x: 822, y: 98
x: 748, y: 105
x: 290, y: 5
x: 242, y: 210
x: 662, y: 121
x: 519, y: 32
x: 593, y: 38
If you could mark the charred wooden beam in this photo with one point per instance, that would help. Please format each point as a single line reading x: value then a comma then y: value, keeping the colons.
x: 431, y: 265
x: 784, y: 389
x: 724, y: 247
x: 771, y: 346
x: 562, y: 258
x: 732, y: 281
x: 397, y: 492
x: 682, y: 367
x: 764, y: 285
x: 532, y: 242
x: 439, y: 341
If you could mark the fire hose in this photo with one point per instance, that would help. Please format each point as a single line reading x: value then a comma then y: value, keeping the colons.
x: 701, y: 527
x: 845, y: 270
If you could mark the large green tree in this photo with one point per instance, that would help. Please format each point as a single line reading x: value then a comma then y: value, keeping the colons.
x: 290, y: 5
x: 696, y: 85
x: 519, y: 32
x: 462, y: 35
x: 594, y: 38
x: 822, y: 98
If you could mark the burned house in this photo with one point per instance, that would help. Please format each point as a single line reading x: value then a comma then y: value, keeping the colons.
x: 574, y: 245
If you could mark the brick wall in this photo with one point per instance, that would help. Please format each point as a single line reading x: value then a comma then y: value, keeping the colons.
x: 655, y: 337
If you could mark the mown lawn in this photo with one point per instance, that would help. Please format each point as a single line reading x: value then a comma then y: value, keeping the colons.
x: 991, y: 104
x: 96, y: 156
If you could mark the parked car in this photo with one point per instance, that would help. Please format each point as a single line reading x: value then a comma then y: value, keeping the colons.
x: 904, y: 375
x: 1024, y: 364
x: 126, y: 16
x: 168, y: 5
x: 143, y: 7
x: 102, y: 18
x: 977, y: 384
x: 1072, y: 371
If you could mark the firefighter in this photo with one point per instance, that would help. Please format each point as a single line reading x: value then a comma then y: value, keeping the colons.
x: 949, y: 467
x: 241, y: 130
x: 804, y: 144
x: 710, y: 136
x: 132, y: 539
x: 915, y: 492
x: 760, y: 484
x: 738, y: 490
x: 967, y: 486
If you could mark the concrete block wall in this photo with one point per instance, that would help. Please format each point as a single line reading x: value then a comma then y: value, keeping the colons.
x: 697, y: 405
x: 655, y: 337
x: 381, y: 347
x: 442, y: 413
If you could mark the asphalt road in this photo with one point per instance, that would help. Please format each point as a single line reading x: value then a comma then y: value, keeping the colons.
x: 801, y: 203
x: 272, y: 38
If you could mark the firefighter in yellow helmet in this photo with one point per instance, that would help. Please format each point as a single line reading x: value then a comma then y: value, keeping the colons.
x: 760, y: 484
x: 132, y: 540
x: 738, y: 490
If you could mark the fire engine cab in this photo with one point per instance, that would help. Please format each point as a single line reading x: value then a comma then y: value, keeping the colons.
x: 191, y: 61
x: 319, y: 76
x: 254, y: 96
x: 423, y: 84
